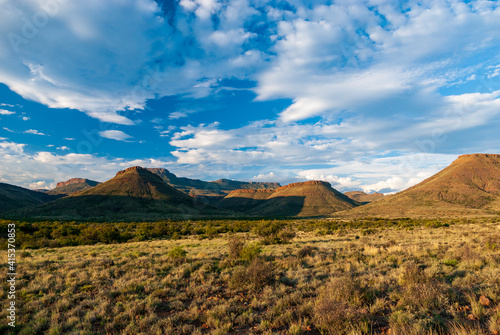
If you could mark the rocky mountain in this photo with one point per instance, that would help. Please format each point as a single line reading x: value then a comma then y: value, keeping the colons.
x: 363, y: 197
x: 469, y: 186
x: 218, y: 188
x: 311, y: 198
x: 72, y: 186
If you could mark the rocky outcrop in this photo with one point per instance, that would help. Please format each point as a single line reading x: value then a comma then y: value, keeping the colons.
x: 132, y: 168
x: 250, y: 191
x: 305, y: 183
x: 72, y: 181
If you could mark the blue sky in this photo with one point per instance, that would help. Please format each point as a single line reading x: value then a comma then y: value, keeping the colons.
x: 367, y: 94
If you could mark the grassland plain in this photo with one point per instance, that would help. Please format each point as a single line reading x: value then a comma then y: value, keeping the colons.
x: 398, y: 279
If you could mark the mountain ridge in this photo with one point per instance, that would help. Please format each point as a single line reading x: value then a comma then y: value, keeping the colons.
x: 310, y: 198
x: 470, y: 185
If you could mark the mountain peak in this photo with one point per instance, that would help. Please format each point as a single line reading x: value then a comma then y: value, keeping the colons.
x: 479, y: 156
x: 132, y: 168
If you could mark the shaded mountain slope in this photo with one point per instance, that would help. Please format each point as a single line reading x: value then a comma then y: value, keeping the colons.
x: 15, y: 197
x: 243, y: 200
x: 363, y: 197
x: 310, y: 198
x: 468, y: 186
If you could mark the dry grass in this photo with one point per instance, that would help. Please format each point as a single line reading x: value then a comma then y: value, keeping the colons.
x: 415, y: 281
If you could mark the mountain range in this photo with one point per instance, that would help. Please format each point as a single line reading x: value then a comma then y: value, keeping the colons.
x: 211, y: 189
x: 469, y: 186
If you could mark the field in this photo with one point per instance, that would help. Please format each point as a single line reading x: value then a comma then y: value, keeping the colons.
x: 269, y: 277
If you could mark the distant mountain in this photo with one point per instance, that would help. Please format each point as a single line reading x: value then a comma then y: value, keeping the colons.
x: 15, y: 197
x: 133, y: 194
x: 218, y: 188
x: 312, y: 198
x: 363, y: 197
x: 72, y: 186
x: 469, y: 186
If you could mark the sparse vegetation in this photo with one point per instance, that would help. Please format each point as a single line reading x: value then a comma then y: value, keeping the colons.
x: 410, y: 276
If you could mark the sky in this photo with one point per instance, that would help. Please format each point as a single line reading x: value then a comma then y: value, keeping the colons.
x: 372, y: 95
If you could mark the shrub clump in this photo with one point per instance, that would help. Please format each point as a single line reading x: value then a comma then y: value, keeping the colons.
x: 339, y: 309
x: 177, y: 254
x: 235, y: 245
x: 274, y: 232
x: 254, y: 277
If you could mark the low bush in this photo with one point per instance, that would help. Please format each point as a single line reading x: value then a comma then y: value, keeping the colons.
x: 254, y: 277
x: 339, y: 309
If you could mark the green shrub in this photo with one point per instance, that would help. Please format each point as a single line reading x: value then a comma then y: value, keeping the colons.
x: 273, y: 232
x: 177, y: 253
x: 250, y: 252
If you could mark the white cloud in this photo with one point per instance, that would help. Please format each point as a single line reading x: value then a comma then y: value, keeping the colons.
x: 326, y: 66
x: 109, y: 72
x: 69, y: 138
x: 6, y: 112
x: 41, y: 184
x: 34, y: 132
x: 115, y: 135
x: 62, y: 148
x: 271, y: 177
x: 25, y: 118
x: 339, y: 183
x: 177, y: 115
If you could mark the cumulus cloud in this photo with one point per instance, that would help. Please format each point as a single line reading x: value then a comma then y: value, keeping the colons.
x: 6, y: 112
x: 41, y: 184
x: 115, y: 135
x: 340, y: 183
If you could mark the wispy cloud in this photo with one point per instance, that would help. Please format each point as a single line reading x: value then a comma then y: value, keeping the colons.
x: 34, y: 132
x: 115, y: 135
